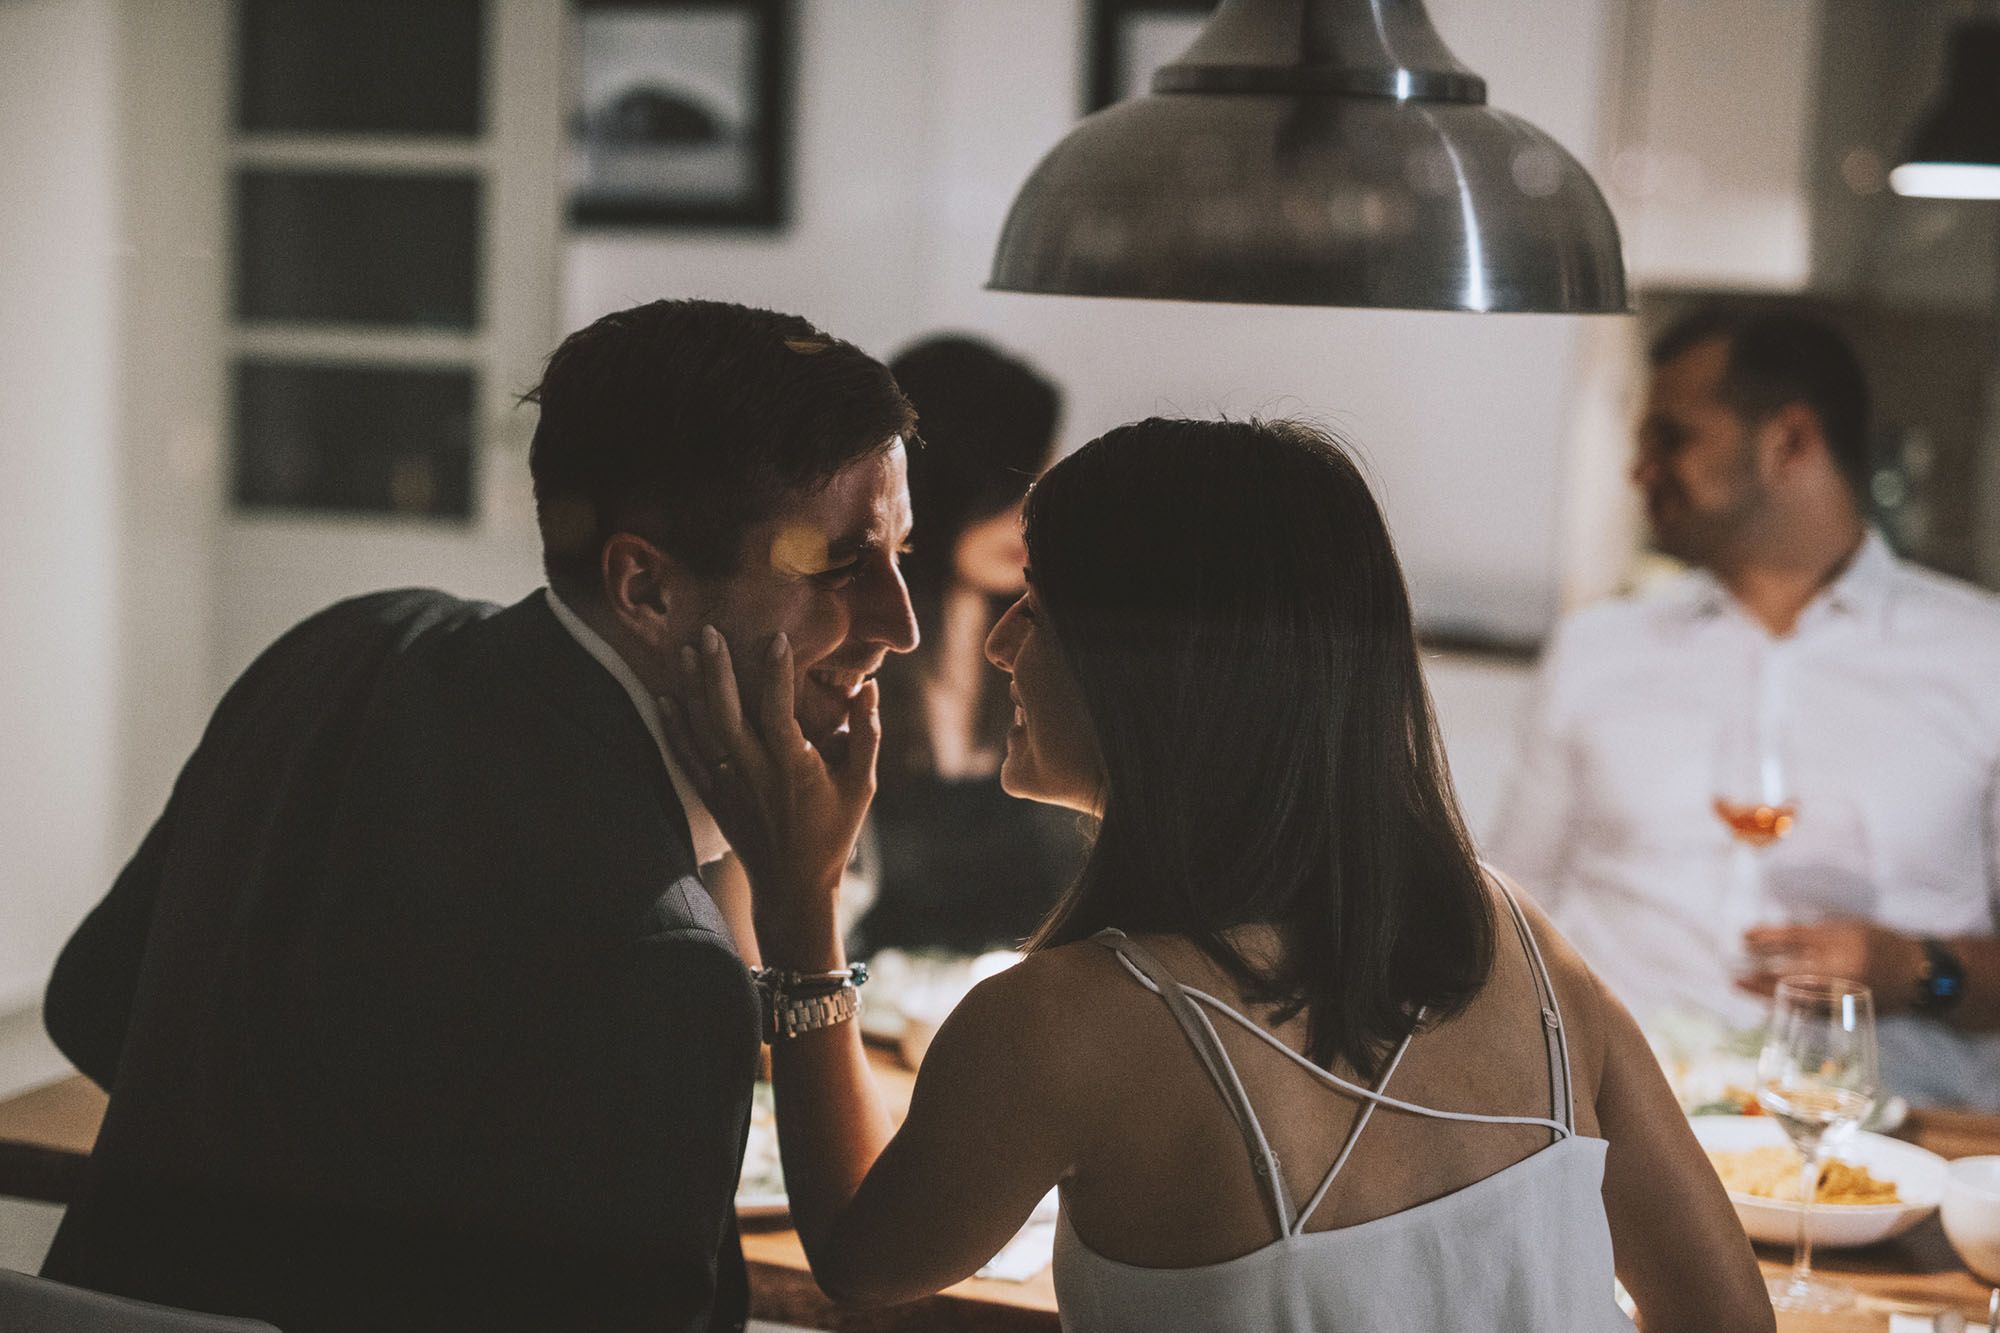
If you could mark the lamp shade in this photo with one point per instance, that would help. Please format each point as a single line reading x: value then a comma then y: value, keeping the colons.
x: 1315, y: 153
x: 1955, y: 151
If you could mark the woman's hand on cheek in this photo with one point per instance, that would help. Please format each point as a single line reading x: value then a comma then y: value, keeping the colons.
x: 790, y: 812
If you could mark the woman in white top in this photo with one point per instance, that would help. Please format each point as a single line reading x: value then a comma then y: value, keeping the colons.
x: 1295, y: 1060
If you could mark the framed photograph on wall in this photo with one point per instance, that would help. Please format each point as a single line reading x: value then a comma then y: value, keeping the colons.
x: 1129, y: 39
x: 681, y: 113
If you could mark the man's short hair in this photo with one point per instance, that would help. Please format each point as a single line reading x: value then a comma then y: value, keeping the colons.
x: 688, y: 422
x: 1780, y: 357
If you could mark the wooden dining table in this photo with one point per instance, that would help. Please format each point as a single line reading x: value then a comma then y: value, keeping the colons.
x: 46, y: 1136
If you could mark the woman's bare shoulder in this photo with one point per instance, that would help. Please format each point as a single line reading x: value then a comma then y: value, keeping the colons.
x: 1586, y: 1004
x: 1060, y: 1010
x: 1060, y: 984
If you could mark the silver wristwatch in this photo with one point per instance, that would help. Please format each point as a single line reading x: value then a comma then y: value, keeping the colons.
x: 788, y: 1016
x: 799, y: 1002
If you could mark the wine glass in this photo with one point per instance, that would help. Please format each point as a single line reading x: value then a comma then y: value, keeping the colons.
x: 1756, y: 823
x: 1817, y: 1078
x: 1751, y: 795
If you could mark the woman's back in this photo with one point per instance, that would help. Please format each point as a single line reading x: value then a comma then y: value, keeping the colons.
x: 1171, y: 1224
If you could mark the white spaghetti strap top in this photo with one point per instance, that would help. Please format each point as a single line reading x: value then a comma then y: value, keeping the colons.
x: 1526, y: 1248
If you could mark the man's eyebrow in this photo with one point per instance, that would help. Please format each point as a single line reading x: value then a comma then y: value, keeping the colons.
x: 842, y: 549
x: 860, y: 543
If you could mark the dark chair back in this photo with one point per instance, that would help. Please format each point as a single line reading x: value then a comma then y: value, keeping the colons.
x: 39, y: 1305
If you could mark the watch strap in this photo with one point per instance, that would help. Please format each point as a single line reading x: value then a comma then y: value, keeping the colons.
x: 788, y: 1015
x: 1941, y: 982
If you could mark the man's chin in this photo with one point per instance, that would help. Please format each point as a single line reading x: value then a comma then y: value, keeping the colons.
x: 1673, y: 539
x: 1690, y: 548
x: 833, y: 747
x: 827, y: 734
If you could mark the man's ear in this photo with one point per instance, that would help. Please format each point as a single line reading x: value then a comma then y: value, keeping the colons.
x: 645, y: 589
x: 1787, y: 438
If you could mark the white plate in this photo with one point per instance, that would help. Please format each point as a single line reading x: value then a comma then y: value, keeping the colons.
x: 760, y: 1190
x: 1887, y: 1117
x: 1919, y: 1176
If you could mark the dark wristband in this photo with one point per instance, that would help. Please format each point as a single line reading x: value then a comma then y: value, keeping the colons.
x: 1941, y: 983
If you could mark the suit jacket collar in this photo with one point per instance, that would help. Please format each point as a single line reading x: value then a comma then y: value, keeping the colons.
x: 572, y: 682
x: 709, y: 844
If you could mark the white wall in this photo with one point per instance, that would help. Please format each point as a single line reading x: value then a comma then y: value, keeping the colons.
x: 59, y: 531
x: 1481, y: 703
x: 172, y: 72
x: 110, y: 258
x: 1715, y: 115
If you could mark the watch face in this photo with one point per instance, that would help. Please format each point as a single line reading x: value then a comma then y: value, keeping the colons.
x: 1943, y: 980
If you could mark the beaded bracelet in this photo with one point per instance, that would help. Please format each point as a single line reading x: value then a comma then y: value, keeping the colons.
x: 778, y: 978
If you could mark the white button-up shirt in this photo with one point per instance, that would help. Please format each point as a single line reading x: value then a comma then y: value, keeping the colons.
x: 1878, y: 716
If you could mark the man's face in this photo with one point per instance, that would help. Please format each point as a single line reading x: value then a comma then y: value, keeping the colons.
x: 824, y: 571
x: 1697, y: 459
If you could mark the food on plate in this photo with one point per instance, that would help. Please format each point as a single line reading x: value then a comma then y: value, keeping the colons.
x: 1733, y: 1100
x: 1711, y: 1067
x: 1773, y: 1173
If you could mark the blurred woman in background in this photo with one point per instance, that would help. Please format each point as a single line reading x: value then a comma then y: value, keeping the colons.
x: 960, y: 866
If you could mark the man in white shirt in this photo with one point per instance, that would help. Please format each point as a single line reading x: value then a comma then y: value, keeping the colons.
x: 1787, y: 759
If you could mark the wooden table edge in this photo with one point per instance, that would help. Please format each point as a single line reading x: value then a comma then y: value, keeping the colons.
x: 42, y: 1159
x: 43, y: 1156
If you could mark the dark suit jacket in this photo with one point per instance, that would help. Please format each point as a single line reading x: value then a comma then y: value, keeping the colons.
x: 412, y: 1010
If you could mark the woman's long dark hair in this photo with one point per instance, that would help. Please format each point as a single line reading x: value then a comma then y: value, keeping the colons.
x: 1229, y: 601
x: 988, y: 422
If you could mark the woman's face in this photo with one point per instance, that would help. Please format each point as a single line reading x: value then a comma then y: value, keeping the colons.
x: 990, y: 554
x: 1052, y: 753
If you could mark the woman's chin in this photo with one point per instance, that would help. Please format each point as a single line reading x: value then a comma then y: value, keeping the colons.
x: 1019, y: 779
x: 1015, y: 779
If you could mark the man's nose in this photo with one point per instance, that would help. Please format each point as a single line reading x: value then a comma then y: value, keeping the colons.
x: 1645, y: 469
x: 885, y: 615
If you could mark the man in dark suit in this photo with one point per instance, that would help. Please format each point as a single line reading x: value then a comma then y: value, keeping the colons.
x: 412, y: 1006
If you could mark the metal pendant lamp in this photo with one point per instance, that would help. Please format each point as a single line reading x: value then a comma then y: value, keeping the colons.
x: 1955, y: 151
x: 1315, y: 152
